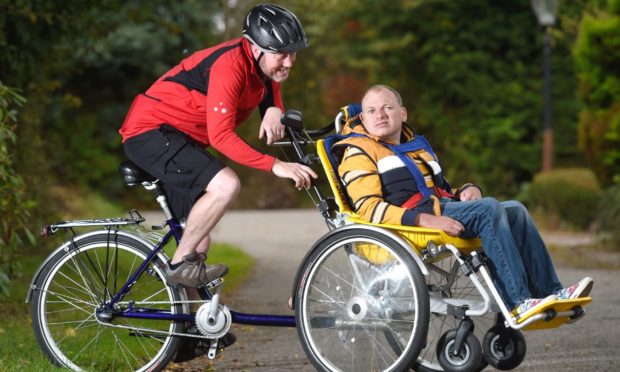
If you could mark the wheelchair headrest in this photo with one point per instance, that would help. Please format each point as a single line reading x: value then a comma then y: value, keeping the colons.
x: 351, y: 110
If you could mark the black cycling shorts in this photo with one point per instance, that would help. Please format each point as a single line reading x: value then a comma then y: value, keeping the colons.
x: 182, y: 165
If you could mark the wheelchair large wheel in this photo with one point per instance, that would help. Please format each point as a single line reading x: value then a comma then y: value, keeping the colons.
x: 362, y: 303
x: 447, y: 284
x: 77, y: 281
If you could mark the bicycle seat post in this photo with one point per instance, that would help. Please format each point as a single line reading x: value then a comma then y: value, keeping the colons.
x: 163, y: 203
x: 161, y: 197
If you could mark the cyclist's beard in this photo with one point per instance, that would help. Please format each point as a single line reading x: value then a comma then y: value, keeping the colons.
x: 278, y: 74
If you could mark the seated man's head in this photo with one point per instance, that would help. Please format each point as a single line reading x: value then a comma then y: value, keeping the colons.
x: 383, y: 113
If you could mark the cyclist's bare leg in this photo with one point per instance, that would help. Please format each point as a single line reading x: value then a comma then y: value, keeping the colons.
x: 203, y: 246
x: 206, y: 212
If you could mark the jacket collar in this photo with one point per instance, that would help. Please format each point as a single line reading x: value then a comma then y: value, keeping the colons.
x: 246, y: 45
x: 354, y: 125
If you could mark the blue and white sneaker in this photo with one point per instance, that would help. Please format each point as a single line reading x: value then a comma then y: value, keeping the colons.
x: 532, y: 305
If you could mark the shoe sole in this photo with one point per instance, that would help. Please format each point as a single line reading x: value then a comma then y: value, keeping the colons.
x: 582, y: 290
x: 210, y: 285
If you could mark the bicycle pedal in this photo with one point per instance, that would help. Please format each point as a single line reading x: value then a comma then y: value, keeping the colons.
x: 214, y: 283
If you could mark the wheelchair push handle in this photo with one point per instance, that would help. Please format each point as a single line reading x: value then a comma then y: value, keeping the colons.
x: 298, y: 136
x: 293, y: 121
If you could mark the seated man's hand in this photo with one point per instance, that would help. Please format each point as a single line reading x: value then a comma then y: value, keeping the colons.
x: 451, y: 226
x: 470, y: 193
x: 301, y: 174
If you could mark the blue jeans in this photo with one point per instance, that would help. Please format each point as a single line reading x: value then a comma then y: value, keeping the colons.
x: 519, y: 261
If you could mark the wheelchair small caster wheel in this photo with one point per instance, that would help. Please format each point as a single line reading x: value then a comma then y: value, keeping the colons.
x: 504, y: 348
x: 468, y: 359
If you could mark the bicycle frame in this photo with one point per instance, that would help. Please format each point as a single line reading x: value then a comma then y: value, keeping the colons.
x: 175, y: 232
x: 131, y: 310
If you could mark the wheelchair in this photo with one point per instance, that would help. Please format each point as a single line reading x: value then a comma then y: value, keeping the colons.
x: 390, y: 297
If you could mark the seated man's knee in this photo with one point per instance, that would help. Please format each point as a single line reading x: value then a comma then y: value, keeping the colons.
x: 225, y: 184
x: 515, y: 209
x: 491, y: 205
x: 513, y: 204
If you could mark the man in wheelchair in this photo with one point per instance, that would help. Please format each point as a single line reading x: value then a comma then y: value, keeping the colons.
x: 393, y: 176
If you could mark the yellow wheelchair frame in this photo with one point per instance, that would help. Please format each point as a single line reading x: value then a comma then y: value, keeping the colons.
x: 433, y: 245
x: 390, y: 297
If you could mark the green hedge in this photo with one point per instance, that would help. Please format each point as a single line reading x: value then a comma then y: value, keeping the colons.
x: 14, y: 205
x: 609, y: 216
x: 571, y: 196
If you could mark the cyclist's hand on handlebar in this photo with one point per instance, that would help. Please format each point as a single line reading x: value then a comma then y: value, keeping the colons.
x: 301, y: 174
x: 271, y: 126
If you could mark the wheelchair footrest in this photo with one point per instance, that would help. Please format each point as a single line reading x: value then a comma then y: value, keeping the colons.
x: 556, y: 313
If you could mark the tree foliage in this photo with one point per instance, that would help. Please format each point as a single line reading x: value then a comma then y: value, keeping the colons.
x: 470, y: 73
x: 80, y: 64
x: 14, y: 205
x: 597, y: 53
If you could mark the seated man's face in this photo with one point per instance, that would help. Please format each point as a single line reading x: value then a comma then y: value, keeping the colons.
x: 382, y: 115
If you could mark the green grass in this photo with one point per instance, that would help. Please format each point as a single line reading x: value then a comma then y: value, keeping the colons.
x: 19, y: 350
x: 79, y: 203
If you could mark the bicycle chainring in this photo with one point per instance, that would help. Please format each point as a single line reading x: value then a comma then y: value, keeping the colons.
x: 217, y: 328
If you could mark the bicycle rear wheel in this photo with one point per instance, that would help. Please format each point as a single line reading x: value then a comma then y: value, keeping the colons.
x: 80, y: 279
x: 361, y: 291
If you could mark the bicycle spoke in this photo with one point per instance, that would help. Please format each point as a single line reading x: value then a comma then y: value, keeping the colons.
x: 73, y: 291
x: 85, y: 288
x: 70, y: 301
x: 358, y: 307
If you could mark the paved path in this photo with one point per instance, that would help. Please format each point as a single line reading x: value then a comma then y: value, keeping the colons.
x: 278, y: 241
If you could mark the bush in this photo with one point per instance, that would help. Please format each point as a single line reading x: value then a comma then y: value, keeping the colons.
x: 571, y: 196
x: 14, y: 206
x: 609, y: 217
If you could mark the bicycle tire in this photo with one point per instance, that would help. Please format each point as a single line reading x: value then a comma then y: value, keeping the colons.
x: 82, y: 276
x: 359, y: 289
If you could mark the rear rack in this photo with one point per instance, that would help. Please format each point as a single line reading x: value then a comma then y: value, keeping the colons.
x: 135, y: 218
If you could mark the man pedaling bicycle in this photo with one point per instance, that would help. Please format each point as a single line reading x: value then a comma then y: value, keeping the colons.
x: 392, y: 176
x: 199, y: 103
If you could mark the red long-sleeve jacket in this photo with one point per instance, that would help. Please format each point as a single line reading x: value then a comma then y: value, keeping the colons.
x: 207, y: 96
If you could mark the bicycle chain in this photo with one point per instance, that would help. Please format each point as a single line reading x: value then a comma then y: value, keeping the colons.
x: 156, y: 331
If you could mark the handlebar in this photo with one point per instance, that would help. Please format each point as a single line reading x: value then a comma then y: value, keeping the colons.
x: 299, y: 137
x: 302, y: 137
x: 293, y: 121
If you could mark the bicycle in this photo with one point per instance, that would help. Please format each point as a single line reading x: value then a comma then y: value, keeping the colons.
x: 366, y: 297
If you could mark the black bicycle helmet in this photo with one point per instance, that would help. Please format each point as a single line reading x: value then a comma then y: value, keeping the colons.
x: 275, y: 29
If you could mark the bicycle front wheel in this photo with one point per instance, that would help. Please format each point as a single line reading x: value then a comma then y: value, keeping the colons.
x: 361, y: 293
x: 78, y: 281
